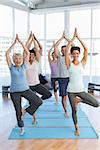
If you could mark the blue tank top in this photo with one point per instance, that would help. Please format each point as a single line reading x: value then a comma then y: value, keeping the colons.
x: 18, y: 79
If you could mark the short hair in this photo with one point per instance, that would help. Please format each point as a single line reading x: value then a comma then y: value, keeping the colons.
x: 17, y: 55
x: 64, y: 46
x: 32, y: 51
x: 74, y: 48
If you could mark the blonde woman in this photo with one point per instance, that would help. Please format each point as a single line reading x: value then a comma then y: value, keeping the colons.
x: 19, y: 87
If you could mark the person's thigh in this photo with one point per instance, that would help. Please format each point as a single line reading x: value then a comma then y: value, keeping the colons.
x: 32, y: 97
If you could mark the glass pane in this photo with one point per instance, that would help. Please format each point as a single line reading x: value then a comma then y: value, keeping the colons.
x: 6, y: 21
x: 96, y: 23
x: 21, y: 23
x: 54, y: 25
x: 96, y: 58
x: 80, y: 19
x: 37, y: 25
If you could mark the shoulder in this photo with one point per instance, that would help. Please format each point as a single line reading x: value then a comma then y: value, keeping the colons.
x: 11, y: 66
x: 23, y: 66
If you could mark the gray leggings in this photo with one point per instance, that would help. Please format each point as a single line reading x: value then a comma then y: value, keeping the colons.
x: 41, y: 89
x: 85, y: 97
x: 34, y: 102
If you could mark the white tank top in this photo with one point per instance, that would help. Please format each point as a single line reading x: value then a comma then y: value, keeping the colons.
x: 32, y: 73
x: 75, y: 84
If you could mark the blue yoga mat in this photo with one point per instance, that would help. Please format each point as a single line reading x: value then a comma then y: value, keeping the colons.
x: 52, y: 124
x: 53, y: 133
x: 55, y: 115
x: 66, y: 122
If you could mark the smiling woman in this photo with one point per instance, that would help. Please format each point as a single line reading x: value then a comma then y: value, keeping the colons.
x: 76, y: 92
x: 19, y: 87
x: 48, y: 25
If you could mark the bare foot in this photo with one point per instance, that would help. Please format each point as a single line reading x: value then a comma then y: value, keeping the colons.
x: 22, y: 131
x: 66, y: 115
x: 34, y: 119
x: 34, y: 123
x: 77, y: 133
x: 77, y: 100
x: 23, y: 113
x: 56, y: 103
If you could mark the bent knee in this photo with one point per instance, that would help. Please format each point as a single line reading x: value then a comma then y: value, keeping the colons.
x: 97, y: 105
x: 40, y: 102
x: 49, y: 95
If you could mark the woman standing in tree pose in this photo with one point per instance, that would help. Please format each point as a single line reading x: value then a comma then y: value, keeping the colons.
x: 75, y: 85
x: 32, y: 70
x: 19, y: 87
x: 54, y: 71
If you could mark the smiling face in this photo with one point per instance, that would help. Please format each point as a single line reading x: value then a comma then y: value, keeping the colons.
x: 75, y: 54
x: 17, y: 59
x: 31, y: 57
x: 63, y: 50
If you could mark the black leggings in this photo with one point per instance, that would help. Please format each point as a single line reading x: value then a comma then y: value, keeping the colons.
x: 54, y: 84
x: 34, y: 102
x: 42, y: 90
x: 85, y: 97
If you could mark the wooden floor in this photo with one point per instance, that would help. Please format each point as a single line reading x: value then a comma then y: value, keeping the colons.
x: 8, y: 121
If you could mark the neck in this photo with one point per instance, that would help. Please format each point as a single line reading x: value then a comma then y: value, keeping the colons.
x: 76, y: 62
x: 17, y: 66
x: 31, y: 61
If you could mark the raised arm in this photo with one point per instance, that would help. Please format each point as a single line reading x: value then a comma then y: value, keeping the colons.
x: 67, y: 58
x: 26, y: 51
x: 67, y: 39
x: 29, y: 41
x: 39, y: 45
x: 85, y: 54
x: 56, y: 50
x: 49, y: 58
x: 8, y: 58
x: 36, y: 49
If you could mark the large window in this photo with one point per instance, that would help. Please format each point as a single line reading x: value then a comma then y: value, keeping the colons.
x: 96, y: 43
x: 80, y: 19
x: 6, y: 32
x: 37, y: 25
x: 96, y: 23
x: 49, y: 27
x: 21, y: 20
x: 6, y: 26
x: 54, y: 25
x: 96, y: 58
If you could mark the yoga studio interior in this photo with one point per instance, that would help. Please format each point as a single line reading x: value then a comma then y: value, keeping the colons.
x: 47, y: 21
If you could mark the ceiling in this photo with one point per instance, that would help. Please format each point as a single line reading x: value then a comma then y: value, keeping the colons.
x: 45, y: 4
